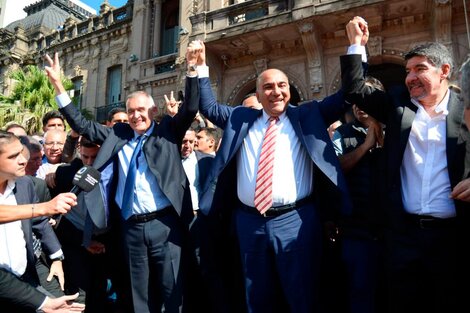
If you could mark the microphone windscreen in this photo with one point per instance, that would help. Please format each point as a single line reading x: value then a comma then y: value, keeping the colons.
x: 86, y: 178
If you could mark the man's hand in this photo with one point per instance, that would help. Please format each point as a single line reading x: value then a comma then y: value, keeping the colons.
x: 358, y: 31
x: 172, y: 105
x: 50, y: 178
x: 462, y: 191
x: 60, y: 204
x: 53, y: 73
x: 196, y: 53
x: 57, y: 270
x: 63, y: 304
x: 96, y: 247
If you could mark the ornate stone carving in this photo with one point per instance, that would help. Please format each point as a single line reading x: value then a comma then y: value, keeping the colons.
x: 375, y: 46
x: 77, y: 70
x: 260, y: 65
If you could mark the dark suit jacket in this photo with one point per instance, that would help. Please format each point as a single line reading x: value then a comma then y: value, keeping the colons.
x: 395, y: 109
x: 24, y: 194
x: 309, y: 121
x: 161, y: 149
x: 18, y: 293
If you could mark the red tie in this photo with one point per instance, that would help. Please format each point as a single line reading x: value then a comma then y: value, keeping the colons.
x: 264, y: 177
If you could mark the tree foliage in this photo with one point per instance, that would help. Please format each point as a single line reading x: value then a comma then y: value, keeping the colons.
x: 32, y: 96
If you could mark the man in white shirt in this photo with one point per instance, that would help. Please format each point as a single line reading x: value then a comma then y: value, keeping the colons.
x: 278, y: 223
x: 425, y: 191
x: 54, y: 141
x: 16, y: 242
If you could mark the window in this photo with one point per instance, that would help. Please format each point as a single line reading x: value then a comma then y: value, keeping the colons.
x: 113, y: 94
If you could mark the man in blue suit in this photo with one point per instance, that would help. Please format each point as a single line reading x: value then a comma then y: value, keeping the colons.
x: 280, y: 246
x: 155, y: 218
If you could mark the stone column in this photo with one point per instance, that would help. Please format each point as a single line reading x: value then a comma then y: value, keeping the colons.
x: 157, y: 27
x: 314, y: 58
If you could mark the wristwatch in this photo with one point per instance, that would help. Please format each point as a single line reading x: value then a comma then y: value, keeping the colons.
x: 59, y: 258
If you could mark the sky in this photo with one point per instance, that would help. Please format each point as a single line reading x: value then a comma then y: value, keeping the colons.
x: 95, y: 4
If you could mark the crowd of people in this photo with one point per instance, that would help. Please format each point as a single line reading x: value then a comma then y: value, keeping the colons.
x: 260, y: 208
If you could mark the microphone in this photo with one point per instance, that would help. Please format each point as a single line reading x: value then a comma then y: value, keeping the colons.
x: 85, y: 179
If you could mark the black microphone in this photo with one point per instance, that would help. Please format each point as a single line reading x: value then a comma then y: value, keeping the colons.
x: 85, y: 179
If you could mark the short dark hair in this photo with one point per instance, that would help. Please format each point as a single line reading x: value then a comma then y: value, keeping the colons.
x: 6, y: 137
x: 87, y: 143
x: 14, y: 125
x: 435, y: 52
x: 114, y: 111
x: 50, y: 115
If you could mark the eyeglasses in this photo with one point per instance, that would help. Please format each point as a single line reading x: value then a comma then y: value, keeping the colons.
x: 54, y: 143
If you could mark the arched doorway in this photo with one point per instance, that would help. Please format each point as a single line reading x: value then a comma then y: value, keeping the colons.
x: 390, y: 74
x: 294, y: 95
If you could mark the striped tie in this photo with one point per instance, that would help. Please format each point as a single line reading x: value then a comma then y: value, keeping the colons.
x: 264, y: 177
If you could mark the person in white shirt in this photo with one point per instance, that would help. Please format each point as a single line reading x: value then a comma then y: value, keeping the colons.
x: 54, y: 141
x: 425, y: 190
x: 16, y: 241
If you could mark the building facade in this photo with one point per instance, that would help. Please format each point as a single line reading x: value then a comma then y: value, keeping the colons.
x: 141, y: 45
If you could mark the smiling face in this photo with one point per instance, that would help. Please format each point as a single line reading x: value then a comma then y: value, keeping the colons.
x: 273, y: 91
x: 426, y: 82
x: 141, y: 111
x: 54, y: 141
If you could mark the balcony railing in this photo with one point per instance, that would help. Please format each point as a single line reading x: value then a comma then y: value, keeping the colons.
x: 102, y: 112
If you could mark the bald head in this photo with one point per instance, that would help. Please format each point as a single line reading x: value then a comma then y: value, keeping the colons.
x: 272, y: 90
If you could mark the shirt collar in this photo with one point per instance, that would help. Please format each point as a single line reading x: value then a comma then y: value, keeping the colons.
x: 266, y: 117
x: 146, y: 134
x: 9, y: 188
x: 441, y: 107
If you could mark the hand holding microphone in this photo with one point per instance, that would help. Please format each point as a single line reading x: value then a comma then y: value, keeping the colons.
x: 85, y: 179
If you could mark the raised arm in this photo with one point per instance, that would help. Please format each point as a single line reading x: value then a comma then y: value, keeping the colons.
x: 356, y: 91
x: 94, y: 131
x: 208, y: 105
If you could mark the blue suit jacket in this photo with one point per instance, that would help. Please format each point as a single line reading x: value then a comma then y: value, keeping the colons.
x: 309, y: 121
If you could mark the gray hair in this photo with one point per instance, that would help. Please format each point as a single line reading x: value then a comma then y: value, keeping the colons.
x: 139, y: 93
x: 465, y: 82
x: 435, y: 52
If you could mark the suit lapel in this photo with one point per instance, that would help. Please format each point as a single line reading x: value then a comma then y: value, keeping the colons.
x: 454, y: 122
x: 315, y: 143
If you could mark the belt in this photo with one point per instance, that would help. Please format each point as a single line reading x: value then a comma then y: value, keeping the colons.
x: 431, y: 222
x: 143, y: 218
x: 275, y: 211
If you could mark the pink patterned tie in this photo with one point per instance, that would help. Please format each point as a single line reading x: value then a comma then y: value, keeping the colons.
x: 264, y: 177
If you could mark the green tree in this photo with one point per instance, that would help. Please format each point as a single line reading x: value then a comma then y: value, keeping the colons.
x: 32, y: 96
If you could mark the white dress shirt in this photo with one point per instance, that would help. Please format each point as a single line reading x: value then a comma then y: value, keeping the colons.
x: 424, y: 173
x: 425, y: 184
x: 13, y: 255
x: 293, y: 169
x: 192, y: 172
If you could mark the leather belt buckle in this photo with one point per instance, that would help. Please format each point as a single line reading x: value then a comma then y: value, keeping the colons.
x: 425, y: 223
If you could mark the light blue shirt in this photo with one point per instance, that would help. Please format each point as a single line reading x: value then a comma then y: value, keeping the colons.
x: 150, y: 197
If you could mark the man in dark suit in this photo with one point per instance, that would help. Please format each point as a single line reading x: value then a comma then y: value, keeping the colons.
x: 156, y: 210
x: 16, y: 250
x: 425, y: 190
x: 24, y: 297
x: 280, y: 241
x: 89, y: 250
